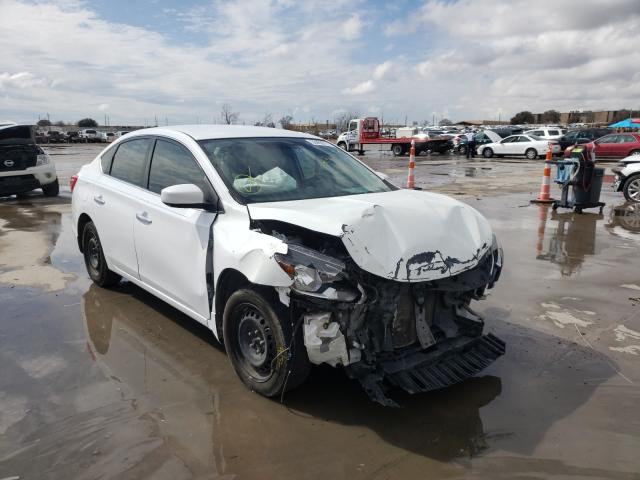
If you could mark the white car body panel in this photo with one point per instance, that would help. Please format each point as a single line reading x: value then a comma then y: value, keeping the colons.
x: 175, y: 265
x: 394, y: 234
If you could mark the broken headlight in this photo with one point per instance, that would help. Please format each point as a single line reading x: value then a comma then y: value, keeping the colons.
x: 316, y: 274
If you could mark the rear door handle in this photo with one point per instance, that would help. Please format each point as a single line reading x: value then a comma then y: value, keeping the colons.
x: 98, y: 199
x: 142, y: 217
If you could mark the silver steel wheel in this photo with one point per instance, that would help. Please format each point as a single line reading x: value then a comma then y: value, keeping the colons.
x: 531, y: 154
x: 632, y: 189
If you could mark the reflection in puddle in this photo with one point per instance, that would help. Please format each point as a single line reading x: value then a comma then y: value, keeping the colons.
x: 571, y: 237
x: 172, y: 371
x: 626, y: 216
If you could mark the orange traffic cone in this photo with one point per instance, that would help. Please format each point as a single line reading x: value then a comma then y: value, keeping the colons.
x: 545, y: 187
x: 411, y: 181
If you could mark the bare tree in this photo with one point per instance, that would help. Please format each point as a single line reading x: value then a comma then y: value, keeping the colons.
x: 267, y: 121
x: 342, y: 120
x: 285, y: 122
x: 227, y: 114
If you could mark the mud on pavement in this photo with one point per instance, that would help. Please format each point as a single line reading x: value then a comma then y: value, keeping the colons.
x: 99, y: 383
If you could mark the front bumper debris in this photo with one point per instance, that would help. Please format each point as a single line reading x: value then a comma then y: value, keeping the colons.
x: 444, y: 364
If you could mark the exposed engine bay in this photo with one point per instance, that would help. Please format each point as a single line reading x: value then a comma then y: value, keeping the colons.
x: 414, y: 335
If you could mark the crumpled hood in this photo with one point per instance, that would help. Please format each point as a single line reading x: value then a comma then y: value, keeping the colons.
x: 405, y: 235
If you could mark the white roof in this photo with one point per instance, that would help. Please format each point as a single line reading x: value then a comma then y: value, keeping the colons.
x: 206, y: 132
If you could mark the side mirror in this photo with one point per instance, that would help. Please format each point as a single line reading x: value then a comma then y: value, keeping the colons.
x: 184, y: 196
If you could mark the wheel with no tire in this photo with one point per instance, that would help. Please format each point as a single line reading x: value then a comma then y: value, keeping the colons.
x: 265, y: 352
x: 631, y: 189
x: 397, y: 150
x: 531, y: 154
x: 51, y: 189
x: 487, y: 152
x: 94, y: 258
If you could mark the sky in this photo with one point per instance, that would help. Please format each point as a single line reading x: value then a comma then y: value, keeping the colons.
x: 180, y: 61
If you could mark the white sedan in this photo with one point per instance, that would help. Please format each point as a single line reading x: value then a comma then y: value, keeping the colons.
x: 530, y: 146
x: 293, y: 253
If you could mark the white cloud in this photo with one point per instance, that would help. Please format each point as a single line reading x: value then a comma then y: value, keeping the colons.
x: 352, y: 27
x: 469, y: 57
x: 361, y: 88
x: 103, y: 107
x: 381, y: 70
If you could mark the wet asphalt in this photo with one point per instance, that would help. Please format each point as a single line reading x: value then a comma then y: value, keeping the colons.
x: 99, y: 383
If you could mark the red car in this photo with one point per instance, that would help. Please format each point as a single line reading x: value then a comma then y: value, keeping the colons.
x: 614, y: 145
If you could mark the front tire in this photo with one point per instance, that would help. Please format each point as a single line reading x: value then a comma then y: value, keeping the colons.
x: 261, y: 345
x: 631, y: 189
x: 487, y: 152
x: 343, y: 146
x: 94, y: 258
x: 531, y: 154
x: 51, y: 189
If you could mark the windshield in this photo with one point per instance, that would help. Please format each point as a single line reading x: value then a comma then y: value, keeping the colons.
x: 276, y: 169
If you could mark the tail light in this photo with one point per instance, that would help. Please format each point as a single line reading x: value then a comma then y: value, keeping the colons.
x: 72, y: 182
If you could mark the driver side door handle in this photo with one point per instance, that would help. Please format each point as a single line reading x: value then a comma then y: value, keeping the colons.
x: 143, y: 218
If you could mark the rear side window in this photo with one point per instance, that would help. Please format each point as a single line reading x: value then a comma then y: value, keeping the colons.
x: 172, y: 164
x: 554, y: 132
x: 129, y: 161
x: 105, y: 160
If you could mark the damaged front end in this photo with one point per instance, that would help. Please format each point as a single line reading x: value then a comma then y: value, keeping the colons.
x: 414, y: 335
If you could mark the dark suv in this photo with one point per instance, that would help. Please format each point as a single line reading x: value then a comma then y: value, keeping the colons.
x: 584, y: 135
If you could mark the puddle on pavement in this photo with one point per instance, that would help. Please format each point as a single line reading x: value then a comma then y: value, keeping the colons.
x: 101, y: 383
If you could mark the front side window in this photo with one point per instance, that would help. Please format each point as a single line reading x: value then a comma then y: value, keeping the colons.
x: 172, y: 164
x: 509, y: 139
x: 277, y: 169
x: 129, y: 161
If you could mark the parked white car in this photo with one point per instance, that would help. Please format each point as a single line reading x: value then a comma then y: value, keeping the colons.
x: 530, y: 146
x: 293, y: 253
x: 24, y: 166
x: 547, y: 133
x: 627, y: 178
x: 107, y: 137
x: 121, y: 133
x: 89, y: 135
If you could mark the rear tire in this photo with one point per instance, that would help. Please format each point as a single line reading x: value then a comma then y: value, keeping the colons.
x: 397, y: 150
x: 258, y: 339
x: 634, y: 152
x: 631, y: 189
x: 51, y: 189
x: 94, y: 258
x: 487, y: 152
x: 531, y: 154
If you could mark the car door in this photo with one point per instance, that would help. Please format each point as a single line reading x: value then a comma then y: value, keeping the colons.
x: 174, y: 245
x: 606, y: 146
x: 626, y: 144
x: 503, y: 146
x: 115, y: 197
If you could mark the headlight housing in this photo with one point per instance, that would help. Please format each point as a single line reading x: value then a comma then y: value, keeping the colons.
x: 42, y: 159
x: 316, y: 274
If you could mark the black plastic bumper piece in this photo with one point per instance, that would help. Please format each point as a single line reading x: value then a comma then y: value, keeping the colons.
x: 430, y: 370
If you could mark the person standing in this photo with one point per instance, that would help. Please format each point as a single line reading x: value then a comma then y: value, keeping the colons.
x: 471, y: 144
